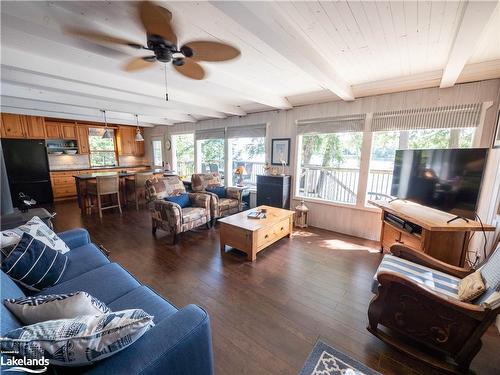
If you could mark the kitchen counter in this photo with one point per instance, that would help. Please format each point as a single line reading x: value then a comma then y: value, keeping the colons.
x: 90, y: 176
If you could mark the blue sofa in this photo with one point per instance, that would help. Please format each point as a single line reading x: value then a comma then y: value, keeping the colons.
x: 179, y: 344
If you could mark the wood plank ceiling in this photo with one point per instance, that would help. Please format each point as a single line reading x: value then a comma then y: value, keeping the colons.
x: 293, y: 53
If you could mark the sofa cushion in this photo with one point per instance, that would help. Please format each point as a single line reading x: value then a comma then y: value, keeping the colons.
x: 9, y: 289
x: 34, y: 265
x: 181, y: 199
x: 83, y: 259
x: 227, y: 203
x: 106, y: 283
x: 200, y: 181
x: 159, y: 188
x: 220, y: 191
x: 192, y: 213
x: 146, y: 299
x: 439, y: 282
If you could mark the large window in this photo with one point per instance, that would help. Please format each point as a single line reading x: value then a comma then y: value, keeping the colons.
x: 102, y: 150
x: 248, y: 156
x: 211, y: 156
x: 385, y: 144
x: 183, y: 154
x: 329, y: 166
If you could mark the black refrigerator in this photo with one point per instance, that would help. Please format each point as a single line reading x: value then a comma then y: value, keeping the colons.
x: 27, y: 166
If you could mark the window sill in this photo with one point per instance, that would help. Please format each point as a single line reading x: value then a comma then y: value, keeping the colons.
x: 337, y: 204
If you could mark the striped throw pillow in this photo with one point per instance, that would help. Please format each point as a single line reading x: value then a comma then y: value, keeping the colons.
x: 34, y: 265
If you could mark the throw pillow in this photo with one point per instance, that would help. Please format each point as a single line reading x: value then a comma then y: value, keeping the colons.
x: 34, y: 265
x: 79, y: 341
x: 181, y: 199
x: 36, y: 309
x: 471, y: 287
x: 490, y: 271
x: 38, y: 229
x: 219, y: 190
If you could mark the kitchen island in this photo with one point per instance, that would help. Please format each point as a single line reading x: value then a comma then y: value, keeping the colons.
x: 82, y: 179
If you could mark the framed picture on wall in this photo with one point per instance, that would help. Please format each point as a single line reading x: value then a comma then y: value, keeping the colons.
x: 280, y: 151
x: 496, y: 139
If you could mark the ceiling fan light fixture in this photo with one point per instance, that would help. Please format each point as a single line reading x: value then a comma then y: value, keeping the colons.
x: 138, y: 135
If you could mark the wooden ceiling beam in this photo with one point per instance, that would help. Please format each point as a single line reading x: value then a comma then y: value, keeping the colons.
x: 475, y: 17
x: 266, y: 22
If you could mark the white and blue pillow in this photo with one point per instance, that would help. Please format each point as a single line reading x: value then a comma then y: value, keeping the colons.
x: 79, y: 341
x: 34, y: 265
x: 36, y: 309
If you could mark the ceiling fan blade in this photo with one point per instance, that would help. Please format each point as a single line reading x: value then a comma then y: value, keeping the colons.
x: 156, y: 21
x: 204, y: 50
x: 101, y: 37
x: 191, y: 69
x: 139, y: 63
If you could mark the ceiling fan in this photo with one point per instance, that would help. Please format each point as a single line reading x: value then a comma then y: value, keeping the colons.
x: 162, y: 41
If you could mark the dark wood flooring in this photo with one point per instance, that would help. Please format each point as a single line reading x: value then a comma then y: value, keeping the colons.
x: 267, y: 315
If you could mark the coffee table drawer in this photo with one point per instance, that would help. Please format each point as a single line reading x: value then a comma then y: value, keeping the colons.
x: 268, y: 235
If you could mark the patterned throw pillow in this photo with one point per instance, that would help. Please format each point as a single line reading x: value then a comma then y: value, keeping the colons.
x: 181, y: 199
x: 471, y: 287
x: 219, y: 190
x: 491, y: 271
x: 38, y: 229
x: 34, y: 265
x: 36, y: 309
x: 79, y: 341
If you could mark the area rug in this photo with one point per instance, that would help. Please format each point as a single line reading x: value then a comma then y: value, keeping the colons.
x: 325, y: 360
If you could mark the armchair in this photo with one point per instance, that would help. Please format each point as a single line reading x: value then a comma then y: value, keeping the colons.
x: 417, y: 300
x: 219, y: 207
x: 169, y: 216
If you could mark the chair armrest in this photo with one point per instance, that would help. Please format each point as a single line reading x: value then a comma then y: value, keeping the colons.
x: 426, y: 260
x: 234, y: 193
x: 168, y: 212
x: 200, y: 200
x: 75, y: 237
x: 180, y: 344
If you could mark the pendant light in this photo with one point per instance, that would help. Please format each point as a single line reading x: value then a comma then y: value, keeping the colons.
x: 107, y: 133
x: 138, y: 135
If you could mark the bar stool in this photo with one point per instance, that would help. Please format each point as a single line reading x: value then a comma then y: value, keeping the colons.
x: 104, y: 185
x: 137, y: 186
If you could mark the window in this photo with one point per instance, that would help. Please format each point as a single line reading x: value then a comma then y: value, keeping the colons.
x: 157, y: 152
x: 329, y: 166
x: 211, y: 156
x: 102, y: 150
x: 385, y: 144
x: 249, y: 153
x: 183, y: 154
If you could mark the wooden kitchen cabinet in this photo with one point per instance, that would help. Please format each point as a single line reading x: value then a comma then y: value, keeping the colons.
x: 68, y: 130
x: 13, y: 126
x: 139, y: 146
x: 82, y: 136
x: 53, y: 129
x: 126, y: 140
x: 35, y: 127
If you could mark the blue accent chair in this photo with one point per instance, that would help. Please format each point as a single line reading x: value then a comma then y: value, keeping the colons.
x: 179, y: 344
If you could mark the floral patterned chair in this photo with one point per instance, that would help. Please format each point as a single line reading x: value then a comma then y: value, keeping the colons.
x: 169, y: 216
x: 230, y: 204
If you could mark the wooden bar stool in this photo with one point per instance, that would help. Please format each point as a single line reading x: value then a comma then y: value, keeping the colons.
x: 137, y: 187
x: 104, y: 186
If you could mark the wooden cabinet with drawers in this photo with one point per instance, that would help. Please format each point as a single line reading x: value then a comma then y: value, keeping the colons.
x: 82, y: 137
x: 63, y: 184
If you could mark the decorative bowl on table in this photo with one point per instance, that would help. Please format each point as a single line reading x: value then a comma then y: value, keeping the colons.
x: 70, y: 152
x: 55, y: 152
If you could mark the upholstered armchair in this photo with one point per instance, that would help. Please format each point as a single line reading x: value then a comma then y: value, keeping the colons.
x: 417, y: 300
x: 170, y: 216
x: 230, y: 203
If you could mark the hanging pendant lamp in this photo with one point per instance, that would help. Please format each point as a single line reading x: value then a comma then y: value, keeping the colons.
x: 107, y: 133
x: 138, y: 135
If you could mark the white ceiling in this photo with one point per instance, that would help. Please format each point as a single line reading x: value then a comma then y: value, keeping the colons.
x: 293, y: 53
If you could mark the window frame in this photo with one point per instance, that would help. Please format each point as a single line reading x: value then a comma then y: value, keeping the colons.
x: 115, y: 148
x: 162, y: 156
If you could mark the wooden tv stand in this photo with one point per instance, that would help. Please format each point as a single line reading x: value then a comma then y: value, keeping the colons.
x: 426, y: 230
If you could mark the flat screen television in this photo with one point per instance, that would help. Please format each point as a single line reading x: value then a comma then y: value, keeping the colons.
x: 446, y: 179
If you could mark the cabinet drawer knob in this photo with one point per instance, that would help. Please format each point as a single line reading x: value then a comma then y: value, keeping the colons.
x: 266, y: 236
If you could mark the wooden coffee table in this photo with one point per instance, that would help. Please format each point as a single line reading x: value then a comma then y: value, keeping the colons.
x: 254, y: 235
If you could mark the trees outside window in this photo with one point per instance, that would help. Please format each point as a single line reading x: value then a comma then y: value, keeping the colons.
x: 102, y: 150
x: 183, y: 154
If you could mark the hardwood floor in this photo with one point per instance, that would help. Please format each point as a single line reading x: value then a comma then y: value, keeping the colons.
x: 267, y: 315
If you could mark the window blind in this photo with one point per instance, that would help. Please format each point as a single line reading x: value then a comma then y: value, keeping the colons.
x: 209, y: 134
x: 337, y: 124
x: 456, y: 116
x: 251, y: 131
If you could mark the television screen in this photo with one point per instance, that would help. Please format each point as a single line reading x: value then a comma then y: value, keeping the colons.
x: 446, y: 179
